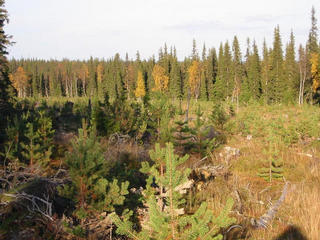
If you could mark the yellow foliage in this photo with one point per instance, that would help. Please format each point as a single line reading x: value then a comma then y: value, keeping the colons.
x: 140, y: 90
x: 194, y: 78
x: 314, y: 60
x: 99, y: 72
x: 84, y: 72
x: 20, y: 81
x: 161, y: 80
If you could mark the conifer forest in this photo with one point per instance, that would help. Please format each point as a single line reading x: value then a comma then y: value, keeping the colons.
x: 223, y: 144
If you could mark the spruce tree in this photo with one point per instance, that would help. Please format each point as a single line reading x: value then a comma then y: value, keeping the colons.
x: 182, y: 135
x: 291, y: 78
x: 219, y: 91
x: 7, y: 92
x: 273, y: 166
x: 252, y: 83
x: 265, y: 72
x: 237, y: 70
x: 312, y: 45
x: 276, y: 85
x: 194, y: 55
x: 175, y: 83
x: 212, y: 71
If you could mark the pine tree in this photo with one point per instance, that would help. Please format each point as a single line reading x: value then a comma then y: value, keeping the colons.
x: 31, y: 149
x: 11, y: 145
x: 88, y: 170
x: 45, y: 133
x: 164, y: 221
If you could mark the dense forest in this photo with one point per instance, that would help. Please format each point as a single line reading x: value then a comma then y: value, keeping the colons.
x: 281, y: 73
x: 222, y: 145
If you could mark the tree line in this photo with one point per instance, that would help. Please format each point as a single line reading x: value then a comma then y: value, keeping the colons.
x: 279, y: 74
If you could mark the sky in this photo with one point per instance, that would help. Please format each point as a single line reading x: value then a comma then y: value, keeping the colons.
x: 78, y: 29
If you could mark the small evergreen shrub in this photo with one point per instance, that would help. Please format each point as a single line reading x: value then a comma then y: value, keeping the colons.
x: 164, y: 220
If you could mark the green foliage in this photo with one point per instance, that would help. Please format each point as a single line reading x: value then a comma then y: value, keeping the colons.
x: 90, y: 188
x: 218, y: 116
x: 88, y: 169
x: 164, y: 221
x: 38, y: 139
x: 11, y: 146
x: 7, y: 92
x: 202, y: 144
x: 182, y: 134
x: 31, y: 149
x: 274, y: 169
x: 161, y: 112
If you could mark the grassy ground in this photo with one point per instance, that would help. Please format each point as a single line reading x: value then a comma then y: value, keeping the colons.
x: 293, y: 135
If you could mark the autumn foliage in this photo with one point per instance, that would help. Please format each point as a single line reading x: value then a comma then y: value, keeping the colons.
x: 194, y: 78
x: 314, y: 60
x: 161, y: 80
x: 19, y: 80
x: 140, y: 90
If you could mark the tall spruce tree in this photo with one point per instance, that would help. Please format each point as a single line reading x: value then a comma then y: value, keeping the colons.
x: 265, y: 71
x: 252, y: 82
x: 276, y: 85
x: 227, y: 71
x: 313, y: 46
x: 176, y: 83
x: 219, y: 87
x: 204, y: 91
x: 195, y: 55
x: 212, y: 71
x: 291, y: 77
x: 7, y: 92
x: 237, y: 70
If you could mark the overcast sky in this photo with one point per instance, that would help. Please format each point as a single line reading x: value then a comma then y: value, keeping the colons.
x: 78, y: 29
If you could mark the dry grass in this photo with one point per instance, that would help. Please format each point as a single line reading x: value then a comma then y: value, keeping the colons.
x: 303, y: 205
x: 299, y: 215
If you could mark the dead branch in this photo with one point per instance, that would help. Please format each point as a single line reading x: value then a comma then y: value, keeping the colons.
x: 45, y: 211
x: 264, y: 220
